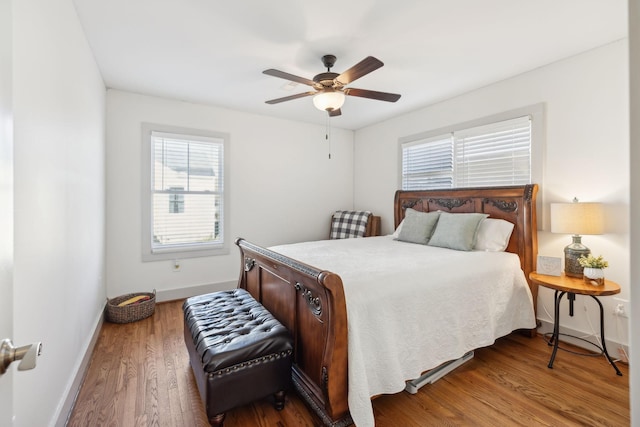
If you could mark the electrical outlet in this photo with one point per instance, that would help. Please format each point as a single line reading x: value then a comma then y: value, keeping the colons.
x: 621, y: 307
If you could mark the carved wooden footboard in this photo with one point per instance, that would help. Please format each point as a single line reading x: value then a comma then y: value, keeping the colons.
x: 310, y: 302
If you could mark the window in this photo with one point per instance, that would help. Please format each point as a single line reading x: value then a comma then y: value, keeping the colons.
x: 496, y: 151
x: 184, y: 193
x: 494, y: 154
x: 428, y: 163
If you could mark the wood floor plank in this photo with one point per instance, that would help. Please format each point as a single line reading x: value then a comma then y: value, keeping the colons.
x: 139, y: 375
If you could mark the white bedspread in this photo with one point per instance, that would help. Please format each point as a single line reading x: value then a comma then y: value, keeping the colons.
x: 412, y: 307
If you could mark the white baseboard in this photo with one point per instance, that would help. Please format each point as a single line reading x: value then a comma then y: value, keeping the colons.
x: 613, y: 347
x: 66, y: 406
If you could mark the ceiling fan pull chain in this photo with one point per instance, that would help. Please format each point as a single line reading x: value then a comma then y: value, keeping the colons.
x: 327, y: 134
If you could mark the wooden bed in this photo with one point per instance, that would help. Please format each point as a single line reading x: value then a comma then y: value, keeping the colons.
x: 310, y: 302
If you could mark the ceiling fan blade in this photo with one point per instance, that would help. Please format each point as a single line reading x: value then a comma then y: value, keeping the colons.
x: 362, y: 68
x: 290, y: 97
x: 287, y: 76
x: 334, y: 113
x: 372, y: 94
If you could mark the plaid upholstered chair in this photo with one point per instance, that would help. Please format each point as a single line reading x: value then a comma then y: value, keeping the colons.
x: 348, y: 224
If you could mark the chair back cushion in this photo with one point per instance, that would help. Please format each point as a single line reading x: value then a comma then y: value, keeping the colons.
x: 346, y: 224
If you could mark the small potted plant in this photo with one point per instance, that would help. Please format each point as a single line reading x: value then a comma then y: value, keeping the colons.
x: 593, y: 269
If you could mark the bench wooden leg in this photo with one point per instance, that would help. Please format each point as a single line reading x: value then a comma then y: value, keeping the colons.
x: 279, y: 396
x: 217, y: 420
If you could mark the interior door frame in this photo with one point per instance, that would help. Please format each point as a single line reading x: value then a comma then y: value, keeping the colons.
x: 6, y: 196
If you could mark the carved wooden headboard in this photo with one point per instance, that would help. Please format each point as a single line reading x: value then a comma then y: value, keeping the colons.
x: 516, y: 204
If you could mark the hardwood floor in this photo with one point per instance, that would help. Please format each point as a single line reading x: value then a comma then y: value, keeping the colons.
x: 140, y: 376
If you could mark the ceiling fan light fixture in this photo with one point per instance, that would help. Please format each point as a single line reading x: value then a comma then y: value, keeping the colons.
x: 329, y: 100
x: 329, y: 89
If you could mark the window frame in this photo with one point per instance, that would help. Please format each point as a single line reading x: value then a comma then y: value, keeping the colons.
x: 190, y: 250
x: 536, y: 113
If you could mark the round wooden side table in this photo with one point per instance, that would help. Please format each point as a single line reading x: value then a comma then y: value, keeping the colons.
x: 570, y: 286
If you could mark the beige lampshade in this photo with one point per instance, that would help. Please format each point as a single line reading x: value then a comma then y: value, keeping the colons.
x: 577, y: 218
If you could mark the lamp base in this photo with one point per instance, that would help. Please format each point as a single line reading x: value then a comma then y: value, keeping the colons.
x: 572, y: 253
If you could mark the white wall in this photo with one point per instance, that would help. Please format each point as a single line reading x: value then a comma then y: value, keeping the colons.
x: 59, y: 284
x: 587, y: 146
x: 283, y: 188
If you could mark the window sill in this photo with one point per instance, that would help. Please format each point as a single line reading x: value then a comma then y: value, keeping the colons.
x: 183, y: 253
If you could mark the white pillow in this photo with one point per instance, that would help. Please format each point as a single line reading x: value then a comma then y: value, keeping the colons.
x: 493, y: 235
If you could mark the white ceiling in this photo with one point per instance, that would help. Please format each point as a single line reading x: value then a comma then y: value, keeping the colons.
x: 213, y: 51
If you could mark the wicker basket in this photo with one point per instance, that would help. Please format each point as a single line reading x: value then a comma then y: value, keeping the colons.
x: 132, y: 312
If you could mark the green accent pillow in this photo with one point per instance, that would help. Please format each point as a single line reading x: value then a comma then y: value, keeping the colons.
x: 417, y: 227
x: 457, y: 231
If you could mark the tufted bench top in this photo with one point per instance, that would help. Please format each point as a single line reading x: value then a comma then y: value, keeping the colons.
x: 231, y: 327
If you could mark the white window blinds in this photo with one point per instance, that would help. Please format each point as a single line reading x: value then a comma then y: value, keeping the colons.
x: 428, y: 163
x: 187, y: 191
x: 495, y: 154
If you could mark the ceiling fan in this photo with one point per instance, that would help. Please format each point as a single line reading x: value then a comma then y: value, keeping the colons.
x: 329, y: 88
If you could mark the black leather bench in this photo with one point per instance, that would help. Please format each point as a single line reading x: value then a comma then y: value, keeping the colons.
x: 239, y: 352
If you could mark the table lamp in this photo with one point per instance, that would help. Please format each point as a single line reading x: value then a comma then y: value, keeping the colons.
x: 577, y: 219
